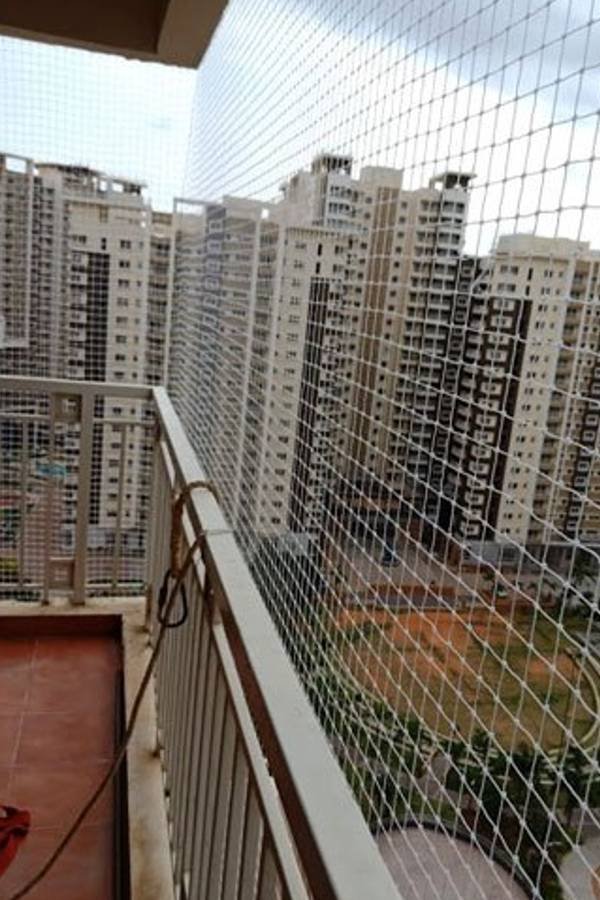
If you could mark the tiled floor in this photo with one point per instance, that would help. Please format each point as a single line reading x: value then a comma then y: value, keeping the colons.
x: 57, y: 715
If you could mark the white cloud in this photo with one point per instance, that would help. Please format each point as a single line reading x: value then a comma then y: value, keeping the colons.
x: 507, y: 90
x: 123, y: 116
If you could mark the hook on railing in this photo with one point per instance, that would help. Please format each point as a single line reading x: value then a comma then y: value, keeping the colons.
x: 163, y: 596
x: 174, y: 570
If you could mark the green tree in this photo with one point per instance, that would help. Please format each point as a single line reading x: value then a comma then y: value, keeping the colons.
x: 492, y: 795
x: 593, y: 795
x: 413, y: 742
x: 457, y: 751
x: 584, y: 566
x: 467, y: 767
x: 518, y: 777
x: 573, y: 780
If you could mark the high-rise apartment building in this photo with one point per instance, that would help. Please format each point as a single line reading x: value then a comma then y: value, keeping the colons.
x: 305, y: 303
x: 526, y: 414
x: 33, y: 274
x: 366, y: 374
x: 104, y: 316
x: 409, y: 260
x: 159, y: 288
x: 322, y: 320
x: 85, y: 295
x: 186, y: 292
x: 215, y: 274
x: 271, y: 325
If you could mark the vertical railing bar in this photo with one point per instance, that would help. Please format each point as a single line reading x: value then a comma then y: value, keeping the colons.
x: 172, y: 673
x: 251, y: 847
x: 48, y: 524
x: 236, y: 819
x: 153, y: 533
x: 159, y: 550
x: 154, y: 567
x: 170, y: 664
x: 86, y: 442
x: 23, y: 499
x: 123, y: 431
x: 190, y: 667
x: 268, y: 875
x: 170, y: 704
x: 200, y: 692
x: 218, y: 840
x: 160, y: 542
x: 214, y: 768
x: 269, y: 804
x: 217, y: 758
x: 208, y: 716
x: 182, y: 640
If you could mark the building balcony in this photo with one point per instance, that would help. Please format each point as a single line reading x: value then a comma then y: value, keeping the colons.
x: 229, y: 788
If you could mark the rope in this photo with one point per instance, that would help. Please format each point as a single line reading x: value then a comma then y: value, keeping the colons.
x: 176, y: 552
x: 178, y: 570
x: 177, y: 520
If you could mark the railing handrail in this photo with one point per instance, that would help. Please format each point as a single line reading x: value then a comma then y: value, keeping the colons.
x: 338, y: 854
x: 24, y: 384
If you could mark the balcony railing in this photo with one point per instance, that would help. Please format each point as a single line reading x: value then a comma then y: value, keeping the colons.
x: 257, y: 805
x: 75, y: 462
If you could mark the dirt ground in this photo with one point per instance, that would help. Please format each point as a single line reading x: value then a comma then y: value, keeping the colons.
x: 459, y: 671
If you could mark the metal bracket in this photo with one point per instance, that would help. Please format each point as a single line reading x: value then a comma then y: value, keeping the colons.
x: 66, y: 408
x: 62, y: 572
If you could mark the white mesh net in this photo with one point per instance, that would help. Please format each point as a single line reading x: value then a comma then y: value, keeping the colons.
x: 91, y: 153
x: 382, y: 296
x: 390, y: 373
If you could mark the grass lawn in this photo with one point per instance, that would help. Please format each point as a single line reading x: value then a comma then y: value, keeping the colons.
x: 466, y: 670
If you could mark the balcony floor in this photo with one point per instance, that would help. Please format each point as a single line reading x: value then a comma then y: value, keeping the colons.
x: 58, y: 706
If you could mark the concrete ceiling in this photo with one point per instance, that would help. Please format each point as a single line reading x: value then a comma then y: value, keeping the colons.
x: 167, y: 31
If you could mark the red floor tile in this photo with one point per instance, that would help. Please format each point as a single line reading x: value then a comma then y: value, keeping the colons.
x: 55, y: 794
x: 10, y: 731
x: 71, y: 737
x: 57, y: 704
x: 16, y: 652
x: 69, y: 689
x: 5, y: 773
x: 83, y: 873
x: 88, y: 653
x: 14, y: 689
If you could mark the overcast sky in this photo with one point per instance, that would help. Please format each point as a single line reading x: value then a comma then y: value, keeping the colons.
x: 507, y: 89
x: 122, y: 116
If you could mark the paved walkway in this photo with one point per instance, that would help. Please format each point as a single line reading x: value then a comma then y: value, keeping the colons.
x: 427, y: 865
x: 577, y: 872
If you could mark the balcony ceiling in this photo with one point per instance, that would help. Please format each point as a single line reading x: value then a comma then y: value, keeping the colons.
x: 167, y: 31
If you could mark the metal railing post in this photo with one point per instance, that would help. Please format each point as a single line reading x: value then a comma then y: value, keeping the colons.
x: 151, y: 548
x: 123, y: 432
x: 23, y: 501
x: 49, y: 496
x: 84, y: 477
